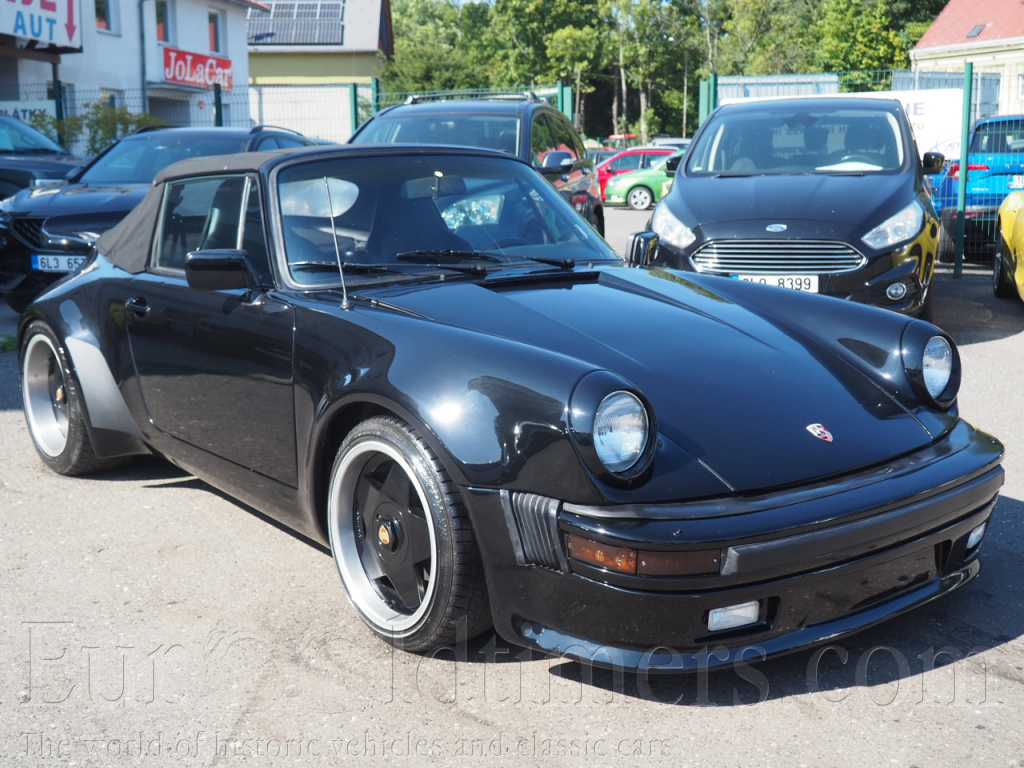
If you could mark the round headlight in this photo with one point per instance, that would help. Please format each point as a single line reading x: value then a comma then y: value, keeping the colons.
x: 937, y: 365
x: 620, y: 431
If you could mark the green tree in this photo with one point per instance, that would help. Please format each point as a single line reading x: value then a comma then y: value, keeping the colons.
x: 768, y: 37
x: 436, y: 46
x: 855, y: 37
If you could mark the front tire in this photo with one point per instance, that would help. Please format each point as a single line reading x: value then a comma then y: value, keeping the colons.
x: 54, y: 407
x: 946, y: 249
x: 1001, y: 287
x: 401, y: 540
x: 640, y: 198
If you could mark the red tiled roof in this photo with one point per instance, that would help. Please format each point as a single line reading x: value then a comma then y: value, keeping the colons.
x: 1001, y: 20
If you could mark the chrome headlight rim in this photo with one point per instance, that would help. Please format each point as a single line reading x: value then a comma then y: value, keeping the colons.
x: 594, y: 396
x: 926, y: 351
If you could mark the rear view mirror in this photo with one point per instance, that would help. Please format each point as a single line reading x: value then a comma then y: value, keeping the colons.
x: 641, y: 249
x: 933, y: 162
x: 557, y: 161
x: 672, y: 164
x: 219, y: 270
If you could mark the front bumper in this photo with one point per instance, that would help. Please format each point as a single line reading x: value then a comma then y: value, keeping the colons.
x: 821, y: 561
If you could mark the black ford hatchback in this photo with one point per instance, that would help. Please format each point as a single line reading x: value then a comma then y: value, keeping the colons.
x: 824, y: 195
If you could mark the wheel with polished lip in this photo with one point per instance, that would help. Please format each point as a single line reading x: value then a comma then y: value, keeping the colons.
x: 640, y: 198
x: 402, y: 541
x: 53, y: 406
x: 1001, y: 286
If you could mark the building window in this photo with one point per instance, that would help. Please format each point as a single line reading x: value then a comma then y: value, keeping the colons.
x: 164, y: 21
x: 216, y: 22
x: 106, y: 15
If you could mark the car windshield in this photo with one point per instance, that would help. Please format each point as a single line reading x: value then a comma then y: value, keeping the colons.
x: 138, y: 159
x: 402, y: 214
x: 998, y: 138
x: 16, y: 137
x: 463, y: 129
x: 782, y: 139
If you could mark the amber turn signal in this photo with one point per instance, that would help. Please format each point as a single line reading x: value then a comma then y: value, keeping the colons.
x: 618, y: 559
x: 701, y: 562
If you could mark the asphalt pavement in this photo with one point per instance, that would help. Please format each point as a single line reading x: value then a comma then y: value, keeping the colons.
x: 147, y: 620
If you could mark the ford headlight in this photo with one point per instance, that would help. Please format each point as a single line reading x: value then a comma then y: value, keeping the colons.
x: 898, y: 228
x: 620, y: 431
x: 670, y: 230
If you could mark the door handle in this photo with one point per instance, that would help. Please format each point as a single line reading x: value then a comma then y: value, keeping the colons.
x: 137, y: 306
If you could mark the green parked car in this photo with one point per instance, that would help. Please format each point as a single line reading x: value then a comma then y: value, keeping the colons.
x: 640, y: 190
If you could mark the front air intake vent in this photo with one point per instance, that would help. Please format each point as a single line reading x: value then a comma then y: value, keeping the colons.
x: 533, y: 525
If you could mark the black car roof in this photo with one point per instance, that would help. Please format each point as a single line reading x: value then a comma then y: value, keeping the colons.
x: 815, y: 102
x: 466, y: 106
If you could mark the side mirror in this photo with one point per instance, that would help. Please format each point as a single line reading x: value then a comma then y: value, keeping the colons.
x: 641, y: 249
x: 933, y: 162
x: 671, y: 165
x: 556, y: 161
x: 219, y: 270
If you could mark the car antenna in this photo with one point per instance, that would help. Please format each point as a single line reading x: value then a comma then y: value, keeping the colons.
x: 337, y: 251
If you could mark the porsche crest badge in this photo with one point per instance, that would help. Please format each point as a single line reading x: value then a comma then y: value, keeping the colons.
x: 820, y: 432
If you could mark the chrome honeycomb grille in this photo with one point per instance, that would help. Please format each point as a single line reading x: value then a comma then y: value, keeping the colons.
x: 29, y: 231
x: 780, y: 257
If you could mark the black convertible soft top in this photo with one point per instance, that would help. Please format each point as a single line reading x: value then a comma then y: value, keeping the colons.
x: 127, y: 243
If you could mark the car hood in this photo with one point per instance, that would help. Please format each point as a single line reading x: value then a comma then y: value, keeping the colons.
x: 861, y: 201
x: 732, y: 387
x: 55, y: 165
x: 107, y: 202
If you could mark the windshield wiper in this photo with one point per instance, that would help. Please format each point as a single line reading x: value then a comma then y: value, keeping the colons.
x: 555, y: 262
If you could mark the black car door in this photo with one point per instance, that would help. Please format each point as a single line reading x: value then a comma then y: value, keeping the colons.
x: 215, y: 367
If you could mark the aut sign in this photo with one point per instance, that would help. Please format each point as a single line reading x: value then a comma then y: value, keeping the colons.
x: 50, y: 22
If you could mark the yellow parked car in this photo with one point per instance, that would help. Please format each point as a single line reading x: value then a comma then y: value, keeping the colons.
x: 1008, y: 267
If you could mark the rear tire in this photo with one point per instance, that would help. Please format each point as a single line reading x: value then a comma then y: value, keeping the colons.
x: 54, y: 407
x: 640, y: 198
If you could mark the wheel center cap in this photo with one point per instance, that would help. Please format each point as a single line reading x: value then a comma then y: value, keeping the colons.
x: 387, y: 535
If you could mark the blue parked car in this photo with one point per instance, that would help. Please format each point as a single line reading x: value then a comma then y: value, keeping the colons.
x: 995, y: 167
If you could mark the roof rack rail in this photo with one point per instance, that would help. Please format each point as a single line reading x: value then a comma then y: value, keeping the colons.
x: 259, y: 127
x: 524, y: 95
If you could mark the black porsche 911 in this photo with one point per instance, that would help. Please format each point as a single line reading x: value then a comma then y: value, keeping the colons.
x: 424, y: 358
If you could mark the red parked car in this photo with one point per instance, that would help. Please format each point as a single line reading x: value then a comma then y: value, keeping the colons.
x: 634, y: 159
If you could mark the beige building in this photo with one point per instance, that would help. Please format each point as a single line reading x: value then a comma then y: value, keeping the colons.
x: 990, y: 35
x: 310, y: 62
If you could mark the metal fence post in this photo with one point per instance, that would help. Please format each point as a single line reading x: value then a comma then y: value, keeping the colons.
x: 353, y: 102
x: 218, y: 106
x: 58, y: 99
x: 713, y: 93
x: 374, y: 96
x: 961, y: 189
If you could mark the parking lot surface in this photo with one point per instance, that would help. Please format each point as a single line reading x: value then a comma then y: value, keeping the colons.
x: 145, y: 619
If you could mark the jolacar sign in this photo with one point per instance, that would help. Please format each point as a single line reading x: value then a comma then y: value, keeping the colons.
x: 50, y: 22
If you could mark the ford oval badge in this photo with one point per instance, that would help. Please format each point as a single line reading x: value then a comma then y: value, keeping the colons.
x: 776, y: 227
